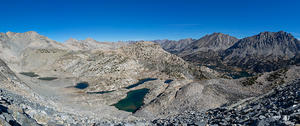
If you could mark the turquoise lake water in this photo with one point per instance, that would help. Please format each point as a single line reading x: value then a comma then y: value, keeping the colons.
x: 133, y: 101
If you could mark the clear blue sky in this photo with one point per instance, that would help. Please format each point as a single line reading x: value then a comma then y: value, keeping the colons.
x: 113, y: 20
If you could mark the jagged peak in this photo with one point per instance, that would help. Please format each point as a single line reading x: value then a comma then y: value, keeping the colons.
x: 283, y: 33
x: 266, y: 33
x: 279, y: 33
x: 217, y: 33
x: 266, y: 40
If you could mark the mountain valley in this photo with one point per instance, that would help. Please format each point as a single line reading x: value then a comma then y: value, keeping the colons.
x: 160, y: 82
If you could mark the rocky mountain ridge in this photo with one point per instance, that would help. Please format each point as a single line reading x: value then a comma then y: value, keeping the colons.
x: 266, y: 51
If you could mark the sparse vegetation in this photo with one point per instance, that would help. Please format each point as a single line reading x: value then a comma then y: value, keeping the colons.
x: 250, y: 81
x: 277, y: 75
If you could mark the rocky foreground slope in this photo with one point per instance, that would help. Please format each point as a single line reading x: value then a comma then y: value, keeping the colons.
x: 278, y: 107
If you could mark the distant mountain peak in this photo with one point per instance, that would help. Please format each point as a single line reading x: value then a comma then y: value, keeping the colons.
x: 279, y: 33
x: 217, y: 33
x: 267, y: 38
x: 266, y: 47
x: 215, y: 41
x: 271, y: 37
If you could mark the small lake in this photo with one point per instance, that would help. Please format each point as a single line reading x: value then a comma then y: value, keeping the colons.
x: 81, y: 85
x: 47, y: 78
x: 168, y: 81
x: 141, y: 82
x: 100, y: 92
x: 30, y: 74
x: 133, y: 101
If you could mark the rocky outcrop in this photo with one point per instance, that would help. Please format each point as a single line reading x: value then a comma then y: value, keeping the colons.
x: 18, y: 110
x: 163, y: 61
x: 10, y: 116
x: 119, y: 68
x: 263, y: 83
